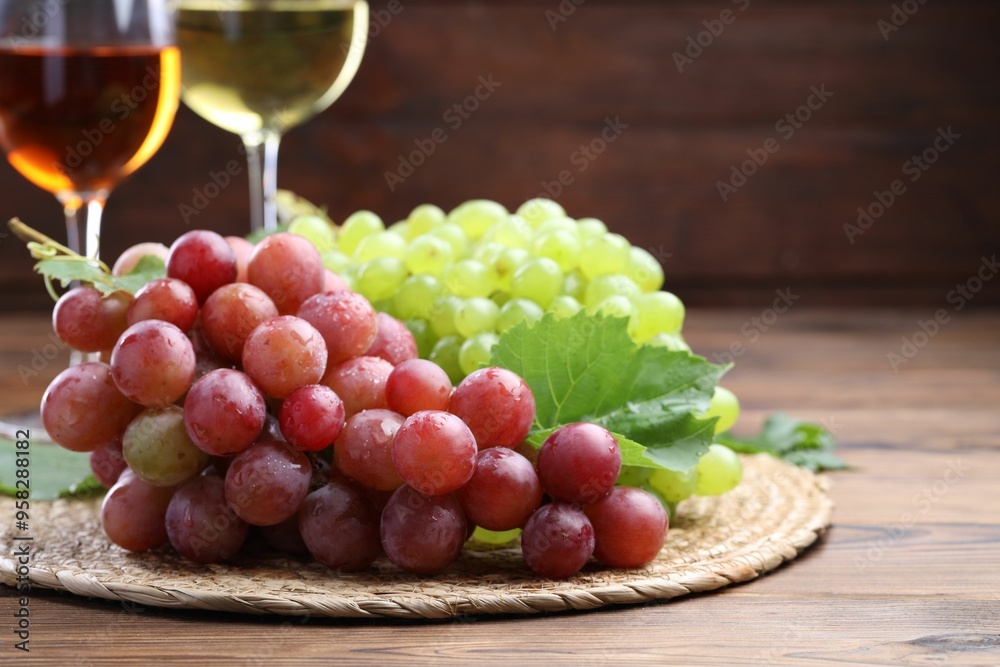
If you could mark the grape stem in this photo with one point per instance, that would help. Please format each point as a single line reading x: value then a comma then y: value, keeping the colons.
x: 45, y: 247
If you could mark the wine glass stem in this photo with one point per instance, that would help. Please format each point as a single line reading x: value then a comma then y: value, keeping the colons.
x: 94, y: 208
x: 262, y: 159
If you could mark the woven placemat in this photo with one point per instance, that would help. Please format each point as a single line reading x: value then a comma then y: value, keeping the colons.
x: 776, y: 512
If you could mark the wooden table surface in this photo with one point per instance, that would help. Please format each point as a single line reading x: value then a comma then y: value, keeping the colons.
x: 909, y: 574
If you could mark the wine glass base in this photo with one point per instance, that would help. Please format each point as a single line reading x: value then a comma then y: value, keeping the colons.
x: 13, y: 427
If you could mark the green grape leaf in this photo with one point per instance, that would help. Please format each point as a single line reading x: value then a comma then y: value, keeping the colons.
x: 53, y: 472
x: 799, y: 442
x: 586, y: 368
x: 65, y: 270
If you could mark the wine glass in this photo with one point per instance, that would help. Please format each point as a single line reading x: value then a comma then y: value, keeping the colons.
x: 257, y: 68
x: 88, y: 92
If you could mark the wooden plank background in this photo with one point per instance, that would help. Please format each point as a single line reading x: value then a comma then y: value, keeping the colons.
x: 656, y: 183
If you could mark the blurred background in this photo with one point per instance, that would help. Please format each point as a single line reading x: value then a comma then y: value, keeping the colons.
x: 735, y: 140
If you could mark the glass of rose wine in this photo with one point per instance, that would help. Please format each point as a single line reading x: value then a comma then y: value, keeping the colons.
x: 88, y: 93
x: 257, y: 68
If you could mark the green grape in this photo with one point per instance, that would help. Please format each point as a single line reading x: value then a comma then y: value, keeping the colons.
x: 455, y: 237
x: 475, y: 352
x: 719, y: 470
x: 673, y: 486
x: 380, y: 244
x: 725, y: 406
x: 500, y: 298
x: 423, y: 335
x: 442, y: 315
x: 588, y: 228
x: 612, y: 284
x: 401, y: 227
x: 539, y: 280
x: 633, y: 476
x: 512, y: 232
x: 476, y: 315
x: 466, y: 278
x: 380, y: 278
x: 446, y: 354
x: 562, y: 224
x: 316, y: 229
x: 560, y: 246
x: 614, y: 306
x: 503, y: 267
x: 604, y: 254
x: 498, y: 538
x: 575, y: 285
x: 386, y: 306
x: 424, y: 218
x: 487, y: 252
x: 644, y: 269
x: 428, y: 254
x: 564, y: 306
x: 157, y: 448
x: 658, y: 312
x: 537, y: 211
x: 672, y: 342
x: 337, y: 261
x: 350, y: 275
x: 415, y: 297
x: 356, y: 227
x: 516, y: 311
x: 476, y: 216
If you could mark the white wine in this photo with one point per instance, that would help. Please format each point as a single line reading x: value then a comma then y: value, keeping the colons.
x: 251, y: 67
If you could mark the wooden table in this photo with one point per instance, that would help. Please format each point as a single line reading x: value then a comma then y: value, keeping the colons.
x: 909, y: 573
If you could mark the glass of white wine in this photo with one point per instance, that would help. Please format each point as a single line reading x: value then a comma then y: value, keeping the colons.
x: 260, y: 67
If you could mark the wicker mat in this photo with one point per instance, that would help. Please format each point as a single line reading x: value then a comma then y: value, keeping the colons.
x: 775, y: 513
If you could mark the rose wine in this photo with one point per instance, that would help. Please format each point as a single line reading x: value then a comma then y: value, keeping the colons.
x: 77, y: 121
x: 249, y: 67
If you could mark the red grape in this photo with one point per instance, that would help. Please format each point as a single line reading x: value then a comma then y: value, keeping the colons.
x: 87, y: 321
x: 630, y: 526
x: 415, y: 385
x: 107, y: 463
x: 340, y: 527
x: 363, y: 450
x: 393, y: 341
x: 285, y: 537
x: 166, y: 299
x: 200, y: 525
x: 288, y: 268
x: 434, y: 452
x: 267, y: 483
x: 242, y: 249
x: 283, y: 354
x: 311, y: 417
x: 503, y: 492
x: 224, y: 412
x: 497, y: 405
x: 153, y: 363
x: 333, y: 282
x: 579, y: 463
x: 346, y: 320
x: 128, y: 260
x: 133, y: 513
x: 422, y: 535
x: 360, y: 383
x: 231, y: 314
x: 82, y: 409
x: 203, y: 260
x: 557, y: 540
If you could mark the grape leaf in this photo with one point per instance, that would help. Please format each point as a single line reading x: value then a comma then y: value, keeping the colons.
x: 54, y: 472
x: 65, y: 270
x: 586, y: 368
x: 799, y: 442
